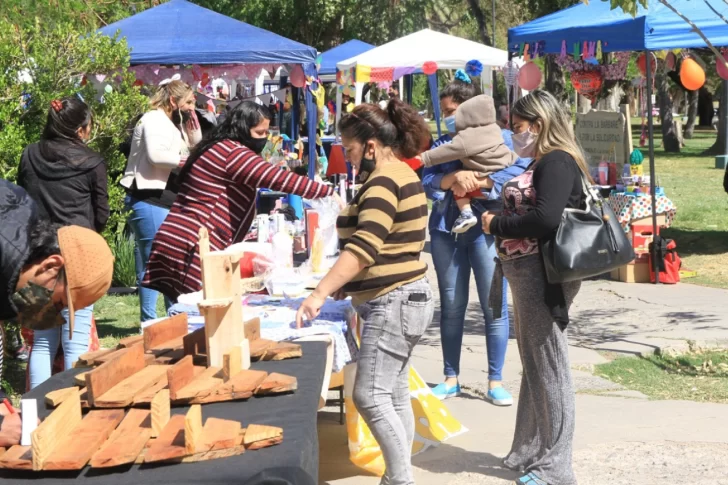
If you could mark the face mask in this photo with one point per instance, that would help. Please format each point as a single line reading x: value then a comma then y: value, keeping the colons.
x: 257, y: 144
x: 36, y: 310
x: 450, y: 124
x: 366, y: 167
x: 524, y: 144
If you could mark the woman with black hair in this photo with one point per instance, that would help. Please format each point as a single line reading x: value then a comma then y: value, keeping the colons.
x: 68, y: 182
x: 217, y: 190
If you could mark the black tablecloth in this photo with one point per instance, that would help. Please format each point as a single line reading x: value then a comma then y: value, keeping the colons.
x: 295, y: 461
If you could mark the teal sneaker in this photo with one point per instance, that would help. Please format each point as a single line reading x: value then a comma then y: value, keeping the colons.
x: 443, y: 391
x: 500, y: 397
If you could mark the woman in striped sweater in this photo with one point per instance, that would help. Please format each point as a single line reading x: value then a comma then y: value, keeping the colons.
x: 382, y: 234
x: 218, y: 185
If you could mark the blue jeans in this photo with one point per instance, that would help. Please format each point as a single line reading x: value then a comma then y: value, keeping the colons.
x: 145, y: 220
x: 453, y: 259
x: 45, y: 345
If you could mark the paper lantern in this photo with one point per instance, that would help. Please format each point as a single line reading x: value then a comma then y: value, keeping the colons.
x: 529, y: 77
x: 510, y: 73
x: 692, y: 75
x: 429, y: 68
x: 671, y: 60
x: 297, y: 76
x: 587, y: 83
x: 642, y: 63
x: 337, y: 161
x: 720, y: 66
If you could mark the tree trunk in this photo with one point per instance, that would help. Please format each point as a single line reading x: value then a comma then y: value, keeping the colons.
x: 480, y: 20
x: 670, y: 141
x: 719, y: 147
x: 692, y: 114
x: 555, y: 79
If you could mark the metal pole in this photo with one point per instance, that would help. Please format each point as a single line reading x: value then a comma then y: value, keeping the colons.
x: 650, y: 132
x: 495, y: 74
x: 724, y: 114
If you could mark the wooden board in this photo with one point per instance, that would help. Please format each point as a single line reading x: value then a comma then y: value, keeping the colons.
x: 231, y: 363
x: 130, y: 341
x: 144, y: 398
x: 172, y: 344
x: 164, y: 331
x: 89, y: 358
x: 107, y: 357
x: 170, y: 443
x: 259, y: 346
x: 17, y: 458
x: 122, y: 395
x: 126, y: 442
x: 80, y: 379
x: 252, y: 329
x: 56, y: 426
x: 75, y: 450
x: 160, y: 412
x: 201, y: 386
x: 169, y: 357
x: 195, y: 343
x: 282, y: 351
x: 83, y: 394
x: 179, y: 375
x: 126, y: 363
x: 193, y: 428
x: 218, y: 434
x: 259, y: 436
x: 240, y: 386
x: 54, y: 398
x: 276, y: 384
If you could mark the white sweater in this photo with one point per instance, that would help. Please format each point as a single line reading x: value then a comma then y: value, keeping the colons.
x: 156, y: 149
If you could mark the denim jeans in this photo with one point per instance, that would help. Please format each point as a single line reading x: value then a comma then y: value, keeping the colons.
x: 454, y: 257
x: 145, y: 220
x: 45, y: 345
x: 391, y: 327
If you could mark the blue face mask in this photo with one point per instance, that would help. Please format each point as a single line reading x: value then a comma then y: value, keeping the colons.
x: 450, y: 124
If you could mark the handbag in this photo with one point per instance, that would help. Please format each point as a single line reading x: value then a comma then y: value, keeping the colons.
x: 587, y: 243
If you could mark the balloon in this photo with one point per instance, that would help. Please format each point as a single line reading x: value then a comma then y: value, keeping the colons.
x: 671, y: 60
x: 720, y: 67
x: 642, y: 63
x: 529, y: 77
x: 429, y: 68
x: 587, y: 83
x: 205, y: 79
x: 692, y: 75
x: 297, y: 76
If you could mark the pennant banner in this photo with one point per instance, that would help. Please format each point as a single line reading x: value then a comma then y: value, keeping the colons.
x: 267, y: 99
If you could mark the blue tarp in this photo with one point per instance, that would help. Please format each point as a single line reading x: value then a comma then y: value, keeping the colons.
x: 653, y: 28
x: 180, y: 32
x: 340, y: 53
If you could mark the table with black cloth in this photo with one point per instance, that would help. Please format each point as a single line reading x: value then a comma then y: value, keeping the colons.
x: 293, y: 462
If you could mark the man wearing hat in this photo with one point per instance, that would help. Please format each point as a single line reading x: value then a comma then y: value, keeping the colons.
x: 44, y: 268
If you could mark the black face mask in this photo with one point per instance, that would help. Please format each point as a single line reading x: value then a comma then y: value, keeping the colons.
x: 179, y: 117
x: 256, y: 144
x: 366, y: 167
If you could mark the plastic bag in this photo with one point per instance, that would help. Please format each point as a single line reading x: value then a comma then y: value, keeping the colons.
x: 328, y: 211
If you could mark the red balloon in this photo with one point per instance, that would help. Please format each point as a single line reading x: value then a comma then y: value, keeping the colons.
x: 587, y: 83
x: 720, y: 66
x: 429, y: 68
x: 642, y: 63
x: 529, y: 77
x: 297, y: 76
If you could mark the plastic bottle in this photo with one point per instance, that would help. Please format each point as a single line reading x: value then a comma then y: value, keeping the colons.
x: 627, y: 170
x: 283, y: 249
x: 603, y: 173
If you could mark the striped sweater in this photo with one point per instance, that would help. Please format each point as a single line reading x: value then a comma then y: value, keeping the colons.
x: 384, y: 227
x: 219, y: 194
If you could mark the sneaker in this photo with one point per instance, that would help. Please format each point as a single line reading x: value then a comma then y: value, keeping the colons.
x: 443, y: 391
x: 500, y: 397
x: 466, y: 220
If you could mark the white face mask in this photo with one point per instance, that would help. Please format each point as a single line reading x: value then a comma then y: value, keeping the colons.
x: 524, y: 144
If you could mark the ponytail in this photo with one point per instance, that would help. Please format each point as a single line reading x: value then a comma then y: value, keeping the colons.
x: 411, y: 128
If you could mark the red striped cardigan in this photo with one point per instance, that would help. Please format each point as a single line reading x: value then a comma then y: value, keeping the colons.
x: 218, y: 193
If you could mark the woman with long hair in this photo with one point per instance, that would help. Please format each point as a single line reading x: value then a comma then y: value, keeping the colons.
x: 217, y: 190
x: 68, y: 182
x: 533, y: 205
x: 160, y: 144
x: 382, y: 234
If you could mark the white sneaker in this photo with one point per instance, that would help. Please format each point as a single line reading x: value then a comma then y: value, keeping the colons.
x: 463, y: 223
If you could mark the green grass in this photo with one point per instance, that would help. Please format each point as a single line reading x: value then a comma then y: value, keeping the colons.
x: 701, y: 376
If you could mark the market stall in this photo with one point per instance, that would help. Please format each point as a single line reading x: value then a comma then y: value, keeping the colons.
x: 579, y: 34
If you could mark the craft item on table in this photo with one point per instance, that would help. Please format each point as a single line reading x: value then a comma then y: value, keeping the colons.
x: 692, y: 76
x: 635, y: 160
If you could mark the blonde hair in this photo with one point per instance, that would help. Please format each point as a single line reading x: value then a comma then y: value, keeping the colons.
x: 176, y: 90
x: 556, y: 129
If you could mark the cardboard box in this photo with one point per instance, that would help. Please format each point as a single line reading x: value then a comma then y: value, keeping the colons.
x: 642, y: 237
x: 647, y: 221
x: 638, y: 271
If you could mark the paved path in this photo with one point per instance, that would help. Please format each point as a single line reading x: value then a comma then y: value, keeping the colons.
x: 621, y: 437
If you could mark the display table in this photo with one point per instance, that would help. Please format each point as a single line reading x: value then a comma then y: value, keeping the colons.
x: 630, y: 207
x: 295, y: 461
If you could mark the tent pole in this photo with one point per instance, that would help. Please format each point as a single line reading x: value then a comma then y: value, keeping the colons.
x: 494, y: 74
x: 435, y: 97
x: 653, y: 177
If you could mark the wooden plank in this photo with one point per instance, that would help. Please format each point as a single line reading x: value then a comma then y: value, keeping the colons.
x: 17, y: 458
x: 179, y: 375
x: 126, y: 442
x: 164, y: 331
x: 276, y: 384
x: 130, y: 341
x: 56, y: 426
x: 170, y: 443
x: 204, y: 245
x: 54, y: 398
x: 144, y: 399
x: 252, y: 329
x: 90, y: 358
x: 83, y: 395
x: 240, y: 386
x: 122, y: 395
x: 259, y: 346
x: 160, y: 412
x: 218, y: 434
x: 231, y: 363
x: 103, y: 378
x: 202, y: 386
x: 107, y: 357
x: 169, y: 357
x: 171, y: 344
x: 80, y: 379
x: 282, y: 351
x: 75, y: 450
x: 259, y: 436
x: 215, y: 303
x: 195, y: 342
x: 193, y: 428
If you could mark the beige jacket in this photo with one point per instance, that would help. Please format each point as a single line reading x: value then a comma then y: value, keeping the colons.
x: 156, y: 149
x: 478, y: 142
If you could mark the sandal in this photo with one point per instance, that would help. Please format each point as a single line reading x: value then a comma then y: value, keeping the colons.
x: 530, y: 479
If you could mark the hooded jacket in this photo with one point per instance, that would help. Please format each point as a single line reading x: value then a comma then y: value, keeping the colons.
x: 68, y: 181
x: 18, y: 214
x: 478, y: 142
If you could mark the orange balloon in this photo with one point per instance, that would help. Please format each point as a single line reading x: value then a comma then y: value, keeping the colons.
x: 692, y: 75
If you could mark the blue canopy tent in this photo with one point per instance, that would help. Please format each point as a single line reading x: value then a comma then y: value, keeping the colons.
x: 656, y: 27
x: 339, y: 53
x: 180, y: 32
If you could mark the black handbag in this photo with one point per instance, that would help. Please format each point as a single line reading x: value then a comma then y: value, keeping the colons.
x: 588, y: 242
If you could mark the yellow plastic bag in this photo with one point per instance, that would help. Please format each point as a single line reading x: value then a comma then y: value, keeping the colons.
x: 433, y: 423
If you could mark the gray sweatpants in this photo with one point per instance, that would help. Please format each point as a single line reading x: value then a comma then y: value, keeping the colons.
x: 392, y: 326
x: 546, y: 406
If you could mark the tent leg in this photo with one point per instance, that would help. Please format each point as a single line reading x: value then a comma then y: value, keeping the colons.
x: 432, y: 81
x: 653, y: 176
x: 311, y: 122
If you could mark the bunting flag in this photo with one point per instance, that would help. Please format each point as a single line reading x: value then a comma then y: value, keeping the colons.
x: 267, y: 99
x: 363, y: 74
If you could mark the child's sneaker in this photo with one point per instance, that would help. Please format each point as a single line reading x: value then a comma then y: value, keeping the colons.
x: 466, y: 220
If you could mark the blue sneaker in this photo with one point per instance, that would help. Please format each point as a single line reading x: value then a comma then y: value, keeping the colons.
x: 443, y: 391
x: 500, y: 397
